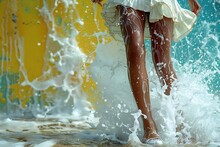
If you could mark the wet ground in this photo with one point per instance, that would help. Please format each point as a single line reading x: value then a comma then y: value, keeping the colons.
x: 50, y: 132
x: 54, y: 133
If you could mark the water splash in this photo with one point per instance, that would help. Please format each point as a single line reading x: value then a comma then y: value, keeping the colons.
x: 63, y: 72
x: 190, y: 106
x: 193, y: 105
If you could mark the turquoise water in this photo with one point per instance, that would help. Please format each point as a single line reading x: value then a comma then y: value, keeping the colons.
x: 200, y: 49
x: 196, y: 59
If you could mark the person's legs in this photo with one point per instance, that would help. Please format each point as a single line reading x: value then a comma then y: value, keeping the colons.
x: 161, y: 37
x: 132, y: 27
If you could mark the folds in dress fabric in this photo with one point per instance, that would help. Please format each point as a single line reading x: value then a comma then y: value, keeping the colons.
x: 183, y: 19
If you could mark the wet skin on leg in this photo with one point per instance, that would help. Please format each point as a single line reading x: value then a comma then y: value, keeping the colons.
x: 161, y: 37
x: 132, y: 27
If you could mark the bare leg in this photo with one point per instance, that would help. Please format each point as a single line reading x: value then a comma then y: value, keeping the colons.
x: 132, y: 26
x: 161, y: 37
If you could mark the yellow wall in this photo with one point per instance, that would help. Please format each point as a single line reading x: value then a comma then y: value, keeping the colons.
x: 22, y: 18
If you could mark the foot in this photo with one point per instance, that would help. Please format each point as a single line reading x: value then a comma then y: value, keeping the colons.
x: 154, y: 141
x: 150, y: 134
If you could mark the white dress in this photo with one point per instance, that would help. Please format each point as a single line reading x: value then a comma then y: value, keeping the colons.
x: 183, y: 19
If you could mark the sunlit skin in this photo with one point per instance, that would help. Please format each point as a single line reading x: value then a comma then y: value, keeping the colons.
x: 132, y: 27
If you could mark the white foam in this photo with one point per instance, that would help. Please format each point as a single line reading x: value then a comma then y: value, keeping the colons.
x: 48, y: 143
x: 118, y: 116
x: 190, y: 97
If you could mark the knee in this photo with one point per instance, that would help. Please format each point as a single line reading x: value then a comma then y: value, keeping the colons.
x: 160, y: 44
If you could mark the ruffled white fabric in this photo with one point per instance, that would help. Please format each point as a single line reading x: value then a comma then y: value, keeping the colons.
x: 183, y: 19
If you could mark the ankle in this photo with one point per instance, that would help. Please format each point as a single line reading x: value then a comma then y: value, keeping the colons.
x: 151, y: 134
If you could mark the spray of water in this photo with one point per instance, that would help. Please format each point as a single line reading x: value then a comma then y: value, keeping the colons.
x: 191, y: 107
x: 189, y: 115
